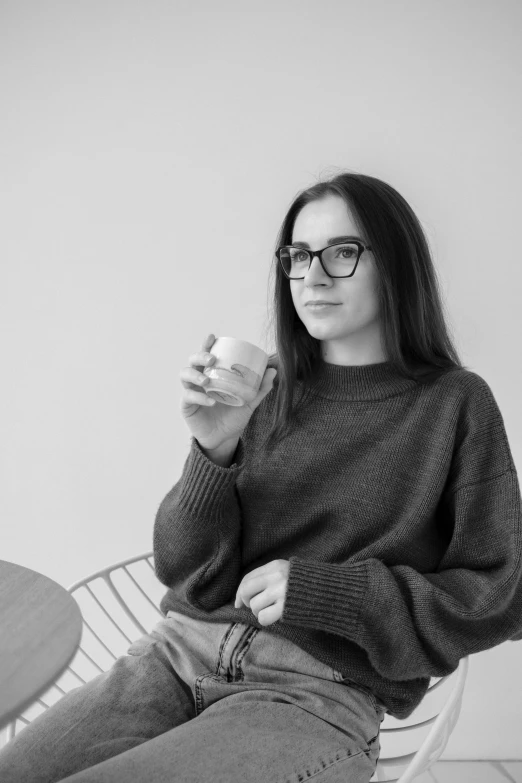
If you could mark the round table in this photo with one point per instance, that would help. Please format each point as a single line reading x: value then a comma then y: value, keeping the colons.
x: 40, y: 630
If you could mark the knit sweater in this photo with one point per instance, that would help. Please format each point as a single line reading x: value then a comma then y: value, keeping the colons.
x: 397, y: 505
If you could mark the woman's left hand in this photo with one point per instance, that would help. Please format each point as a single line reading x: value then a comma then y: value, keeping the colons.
x: 263, y: 591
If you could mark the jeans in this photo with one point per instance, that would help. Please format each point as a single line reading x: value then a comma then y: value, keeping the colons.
x: 196, y: 701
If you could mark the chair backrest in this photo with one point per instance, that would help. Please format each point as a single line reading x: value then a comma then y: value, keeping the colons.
x: 121, y: 602
x: 411, y: 746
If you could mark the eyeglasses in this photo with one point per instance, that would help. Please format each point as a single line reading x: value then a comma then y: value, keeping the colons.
x: 339, y: 260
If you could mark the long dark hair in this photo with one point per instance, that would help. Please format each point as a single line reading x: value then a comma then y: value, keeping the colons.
x: 416, y: 338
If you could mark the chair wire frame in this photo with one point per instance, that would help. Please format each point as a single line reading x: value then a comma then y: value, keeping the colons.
x: 429, y: 736
x: 435, y: 739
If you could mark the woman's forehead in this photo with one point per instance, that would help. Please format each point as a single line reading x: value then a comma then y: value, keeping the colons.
x: 324, y: 220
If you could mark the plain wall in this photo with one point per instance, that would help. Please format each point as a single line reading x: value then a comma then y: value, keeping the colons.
x: 149, y: 152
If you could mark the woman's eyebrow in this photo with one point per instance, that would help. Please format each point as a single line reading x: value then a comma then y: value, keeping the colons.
x: 330, y: 241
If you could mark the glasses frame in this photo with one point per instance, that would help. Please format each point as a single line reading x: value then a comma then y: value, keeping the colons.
x: 360, y: 247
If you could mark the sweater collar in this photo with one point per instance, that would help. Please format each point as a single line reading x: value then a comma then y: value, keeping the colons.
x: 358, y: 382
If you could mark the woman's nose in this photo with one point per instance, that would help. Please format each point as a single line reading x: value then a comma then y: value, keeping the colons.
x: 316, y: 270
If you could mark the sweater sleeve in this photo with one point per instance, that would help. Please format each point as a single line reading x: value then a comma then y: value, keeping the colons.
x: 415, y: 624
x: 197, y: 530
x: 419, y: 625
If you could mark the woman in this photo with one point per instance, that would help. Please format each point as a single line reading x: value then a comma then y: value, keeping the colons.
x: 328, y: 548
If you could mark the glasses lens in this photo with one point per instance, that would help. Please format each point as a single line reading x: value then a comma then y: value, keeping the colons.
x: 339, y: 260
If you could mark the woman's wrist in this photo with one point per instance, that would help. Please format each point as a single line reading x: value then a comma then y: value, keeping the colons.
x: 222, y: 455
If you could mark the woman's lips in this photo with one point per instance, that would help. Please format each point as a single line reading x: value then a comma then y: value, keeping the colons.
x: 321, y: 306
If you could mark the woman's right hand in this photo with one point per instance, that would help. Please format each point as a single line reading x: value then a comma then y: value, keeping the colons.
x: 212, y: 423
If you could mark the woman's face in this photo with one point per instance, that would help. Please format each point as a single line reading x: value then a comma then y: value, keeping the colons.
x: 350, y: 332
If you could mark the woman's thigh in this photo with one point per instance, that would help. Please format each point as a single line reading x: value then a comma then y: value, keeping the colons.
x: 265, y: 710
x: 137, y: 699
x: 242, y: 740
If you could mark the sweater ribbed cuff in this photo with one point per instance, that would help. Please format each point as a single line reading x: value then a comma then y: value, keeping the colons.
x: 204, y: 485
x: 326, y: 596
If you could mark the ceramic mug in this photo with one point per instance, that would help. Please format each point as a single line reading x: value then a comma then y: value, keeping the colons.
x: 236, y: 375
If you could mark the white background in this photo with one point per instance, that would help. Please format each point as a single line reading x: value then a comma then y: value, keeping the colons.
x: 139, y: 137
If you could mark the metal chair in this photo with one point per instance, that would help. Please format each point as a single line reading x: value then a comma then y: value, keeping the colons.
x: 121, y: 602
